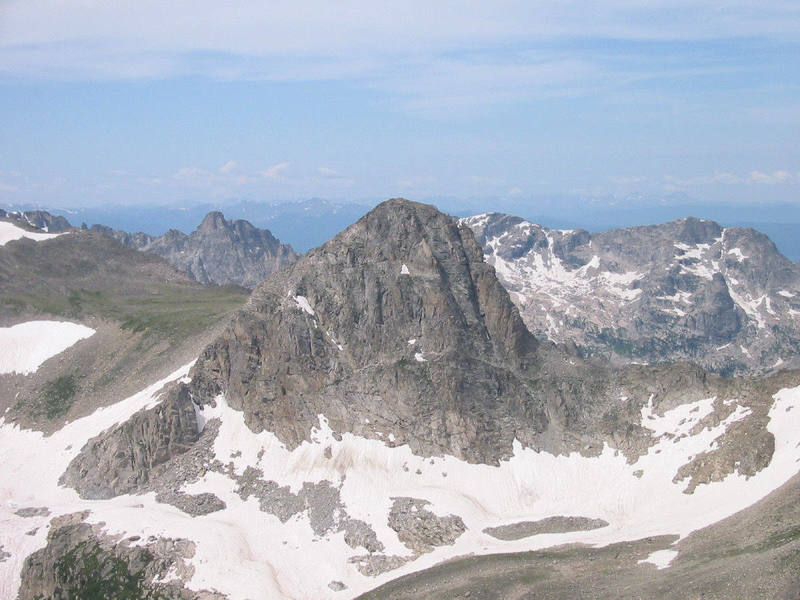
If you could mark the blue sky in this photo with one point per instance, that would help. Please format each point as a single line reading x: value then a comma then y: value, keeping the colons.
x: 152, y: 102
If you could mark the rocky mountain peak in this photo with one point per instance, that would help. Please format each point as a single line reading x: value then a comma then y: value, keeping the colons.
x: 213, y: 221
x: 218, y: 251
x: 406, y: 270
x: 40, y: 219
x: 691, y: 230
x: 394, y: 320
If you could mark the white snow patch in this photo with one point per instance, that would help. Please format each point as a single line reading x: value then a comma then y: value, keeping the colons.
x: 738, y: 254
x: 786, y: 294
x: 10, y: 232
x: 679, y: 296
x: 476, y: 221
x: 660, y: 558
x: 412, y: 341
x: 404, y: 270
x: 419, y: 357
x: 24, y: 347
x: 332, y: 338
x: 699, y: 270
x: 302, y: 303
x: 749, y: 306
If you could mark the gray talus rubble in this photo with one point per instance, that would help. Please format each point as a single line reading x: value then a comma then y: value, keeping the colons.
x: 523, y: 529
x: 724, y: 298
x: 420, y: 529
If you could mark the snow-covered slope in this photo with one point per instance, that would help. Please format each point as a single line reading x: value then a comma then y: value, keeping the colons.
x: 257, y: 548
x: 25, y: 346
x: 686, y: 290
x: 10, y: 232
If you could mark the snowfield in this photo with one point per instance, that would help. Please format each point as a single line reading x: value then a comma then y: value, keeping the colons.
x: 24, y: 347
x: 10, y: 232
x: 246, y: 553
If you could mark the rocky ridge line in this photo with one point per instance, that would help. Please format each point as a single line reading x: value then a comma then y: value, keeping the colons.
x: 724, y: 298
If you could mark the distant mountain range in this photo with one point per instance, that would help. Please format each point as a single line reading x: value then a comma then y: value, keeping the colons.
x: 218, y: 251
x: 724, y: 298
x: 308, y: 223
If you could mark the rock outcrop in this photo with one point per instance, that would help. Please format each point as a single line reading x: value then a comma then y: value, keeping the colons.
x: 121, y: 460
x: 80, y: 562
x: 395, y: 323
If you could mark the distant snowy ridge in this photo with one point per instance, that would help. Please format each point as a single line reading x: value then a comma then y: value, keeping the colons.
x: 685, y: 290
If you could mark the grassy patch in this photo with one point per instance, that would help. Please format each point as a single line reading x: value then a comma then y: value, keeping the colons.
x: 57, y: 396
x: 172, y: 311
x: 54, y: 399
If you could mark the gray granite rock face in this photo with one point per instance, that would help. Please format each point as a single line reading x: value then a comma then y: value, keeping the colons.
x: 122, y: 459
x: 724, y: 298
x: 218, y: 251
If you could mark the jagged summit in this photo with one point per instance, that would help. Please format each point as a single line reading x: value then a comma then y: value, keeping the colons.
x: 218, y: 251
x: 39, y: 219
x: 212, y: 221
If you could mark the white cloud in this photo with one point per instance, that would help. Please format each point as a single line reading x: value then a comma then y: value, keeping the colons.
x: 515, y: 191
x: 726, y: 178
x: 228, y: 167
x: 628, y: 180
x: 5, y: 187
x: 483, y: 180
x: 274, y: 171
x: 191, y: 174
x: 770, y: 179
x: 416, y: 182
x: 319, y: 39
x: 754, y: 177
